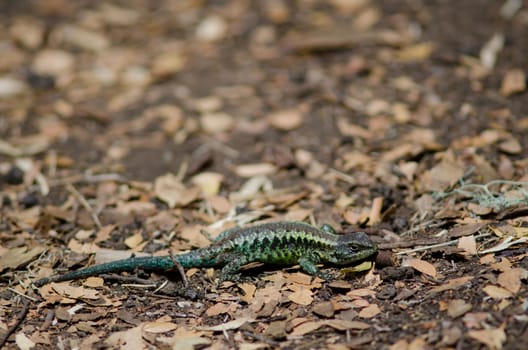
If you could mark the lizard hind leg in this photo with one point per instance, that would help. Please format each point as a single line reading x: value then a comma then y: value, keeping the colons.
x: 230, y: 270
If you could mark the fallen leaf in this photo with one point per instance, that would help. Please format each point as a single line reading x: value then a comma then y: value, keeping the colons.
x: 208, y: 182
x: 420, y: 265
x: 131, y: 339
x: 370, y: 311
x: 468, y: 244
x: 235, y: 324
x: 497, y: 292
x: 514, y: 81
x: 457, y: 308
x: 511, y: 279
x: 249, y: 291
x: 23, y: 342
x: 217, y: 122
x: 325, y: 309
x: 452, y: 284
x: 494, y: 338
x: 303, y: 296
x: 170, y: 190
x: 159, y: 327
x: 286, y: 119
x: 250, y: 170
x: 221, y: 308
x: 417, y: 52
x: 17, y: 257
x: 134, y: 240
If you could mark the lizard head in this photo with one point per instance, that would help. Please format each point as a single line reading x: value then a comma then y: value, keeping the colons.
x: 353, y: 247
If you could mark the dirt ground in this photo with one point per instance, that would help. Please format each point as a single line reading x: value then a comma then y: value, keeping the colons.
x: 132, y: 126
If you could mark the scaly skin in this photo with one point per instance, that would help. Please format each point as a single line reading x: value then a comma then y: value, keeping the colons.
x: 281, y: 243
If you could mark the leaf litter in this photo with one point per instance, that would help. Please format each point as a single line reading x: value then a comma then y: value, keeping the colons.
x: 132, y: 131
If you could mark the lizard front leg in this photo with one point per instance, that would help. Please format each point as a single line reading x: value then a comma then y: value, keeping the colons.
x: 310, y: 267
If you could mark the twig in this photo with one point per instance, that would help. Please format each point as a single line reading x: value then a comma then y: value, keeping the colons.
x: 22, y: 295
x: 438, y: 245
x: 20, y: 317
x: 85, y: 204
x: 178, y: 266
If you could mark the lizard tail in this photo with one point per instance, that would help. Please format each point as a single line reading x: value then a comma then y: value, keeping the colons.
x: 151, y: 263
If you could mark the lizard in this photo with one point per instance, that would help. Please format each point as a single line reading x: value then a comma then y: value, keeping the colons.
x: 278, y: 243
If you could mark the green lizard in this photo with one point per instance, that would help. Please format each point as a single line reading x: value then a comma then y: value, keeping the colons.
x: 281, y: 243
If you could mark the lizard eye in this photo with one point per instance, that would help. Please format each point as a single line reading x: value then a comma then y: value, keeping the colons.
x: 353, y: 247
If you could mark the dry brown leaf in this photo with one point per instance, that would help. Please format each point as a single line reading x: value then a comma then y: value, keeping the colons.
x: 250, y: 170
x: 503, y: 265
x: 343, y: 325
x: 468, y: 244
x: 370, y: 311
x: 457, y: 308
x: 185, y: 339
x: 23, y: 342
x: 303, y: 296
x: 452, y: 284
x: 249, y: 292
x: 416, y: 52
x: 306, y: 327
x: 299, y: 278
x: 131, y: 339
x: 348, y: 129
x: 65, y: 289
x: 514, y: 81
x: 235, y: 324
x: 94, y: 282
x: 17, y: 257
x: 475, y: 319
x: 159, y: 327
x: 325, y: 309
x: 421, y: 266
x: 497, y: 292
x: 442, y: 175
x: 208, y: 182
x: 511, y: 146
x: 487, y: 259
x: 494, y: 338
x: 511, y: 279
x: 134, y: 241
x: 286, y: 119
x: 170, y: 190
x: 214, y: 123
x: 221, y: 308
x: 361, y: 292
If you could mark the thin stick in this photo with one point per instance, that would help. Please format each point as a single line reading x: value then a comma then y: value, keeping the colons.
x: 22, y: 295
x: 20, y: 317
x: 85, y: 204
x: 443, y: 244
